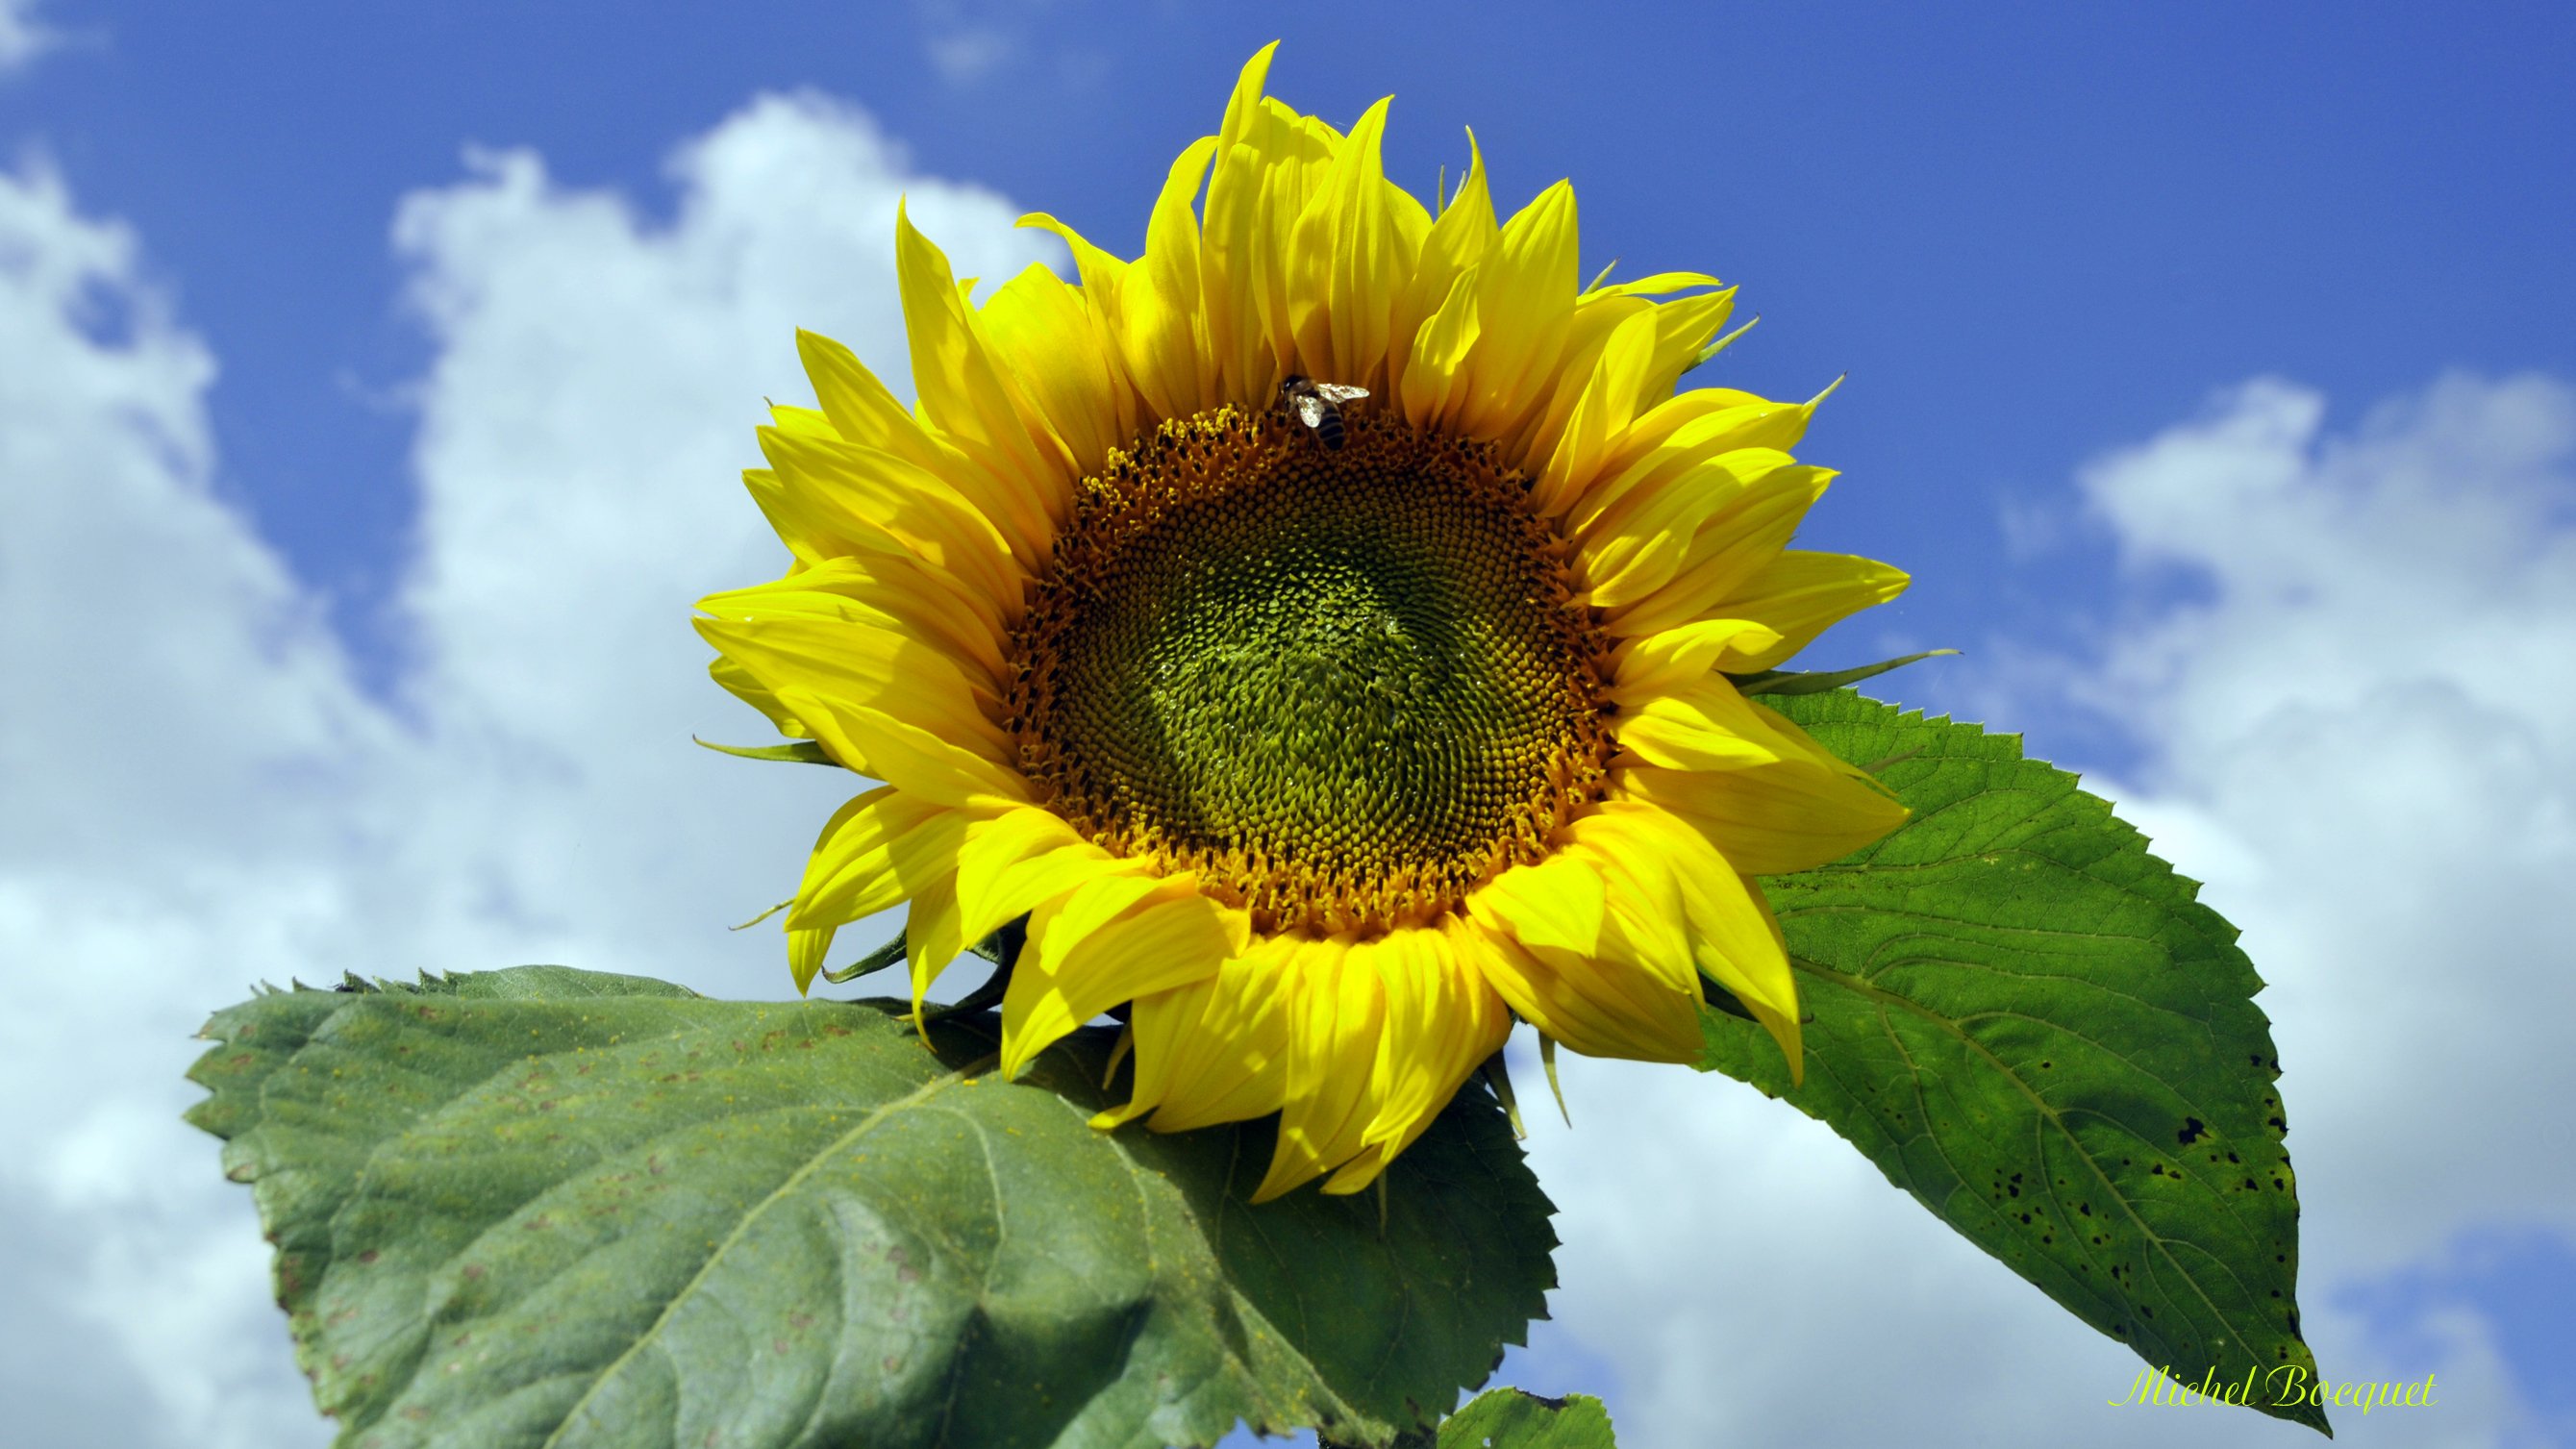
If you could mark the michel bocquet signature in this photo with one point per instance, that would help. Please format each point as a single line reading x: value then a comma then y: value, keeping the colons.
x: 2283, y: 1386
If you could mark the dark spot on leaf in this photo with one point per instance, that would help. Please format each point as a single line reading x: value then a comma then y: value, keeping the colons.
x: 2192, y: 1128
x: 368, y: 1256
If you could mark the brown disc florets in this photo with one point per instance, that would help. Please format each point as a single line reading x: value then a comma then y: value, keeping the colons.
x: 1345, y: 685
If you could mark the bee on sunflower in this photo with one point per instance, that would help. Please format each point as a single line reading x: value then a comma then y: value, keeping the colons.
x: 1329, y: 756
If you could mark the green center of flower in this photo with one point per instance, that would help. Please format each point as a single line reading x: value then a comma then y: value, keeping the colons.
x: 1346, y: 685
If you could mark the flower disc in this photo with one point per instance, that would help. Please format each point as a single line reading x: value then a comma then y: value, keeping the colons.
x: 1344, y: 685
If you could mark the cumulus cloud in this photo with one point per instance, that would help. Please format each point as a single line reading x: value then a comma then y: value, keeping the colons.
x: 202, y: 796
x: 2350, y: 663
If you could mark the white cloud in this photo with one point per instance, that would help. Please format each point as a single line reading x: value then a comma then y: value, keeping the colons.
x: 2372, y: 725
x: 969, y: 40
x: 2361, y: 733
x: 22, y: 36
x: 203, y: 797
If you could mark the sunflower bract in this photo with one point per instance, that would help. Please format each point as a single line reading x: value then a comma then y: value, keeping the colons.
x: 1332, y: 753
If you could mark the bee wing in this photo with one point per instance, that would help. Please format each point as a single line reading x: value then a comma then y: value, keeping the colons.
x: 1341, y: 392
x: 1310, y: 409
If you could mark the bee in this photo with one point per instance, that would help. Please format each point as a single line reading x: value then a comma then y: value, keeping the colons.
x: 1319, y: 405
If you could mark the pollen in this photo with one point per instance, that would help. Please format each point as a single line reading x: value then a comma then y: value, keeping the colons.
x: 1347, y: 686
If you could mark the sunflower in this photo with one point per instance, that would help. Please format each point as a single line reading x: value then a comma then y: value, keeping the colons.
x: 1330, y: 741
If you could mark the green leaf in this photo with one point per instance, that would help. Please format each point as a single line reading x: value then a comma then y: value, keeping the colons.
x: 2030, y: 1024
x: 1795, y: 681
x: 544, y: 1207
x: 1516, y: 1419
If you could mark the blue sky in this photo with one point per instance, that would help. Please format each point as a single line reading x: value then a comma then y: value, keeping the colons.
x: 2024, y: 230
x: 2211, y: 367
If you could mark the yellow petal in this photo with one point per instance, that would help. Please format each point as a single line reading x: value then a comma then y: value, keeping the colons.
x: 1443, y: 1019
x: 1162, y: 334
x: 1011, y: 862
x: 1702, y: 725
x: 848, y: 664
x: 1044, y: 333
x: 1525, y: 298
x: 1680, y: 434
x: 1556, y: 395
x: 1348, y: 256
x: 1657, y: 285
x: 1733, y: 545
x: 1234, y: 251
x: 1557, y: 902
x: 905, y: 755
x: 857, y: 491
x: 1748, y: 499
x: 874, y: 853
x: 930, y: 935
x: 1732, y: 937
x: 1802, y: 594
x: 1741, y: 948
x: 1214, y: 1050
x: 1336, y: 1009
x: 739, y: 682
x: 1169, y: 937
x: 1787, y: 815
x: 1601, y: 413
x: 1440, y: 287
x: 1102, y: 274
x: 1433, y: 385
x: 1600, y: 1007
x: 1682, y: 327
x: 1642, y: 912
x: 863, y: 411
x: 806, y: 543
x: 893, y: 592
x: 806, y: 952
x: 970, y: 399
x: 1662, y: 663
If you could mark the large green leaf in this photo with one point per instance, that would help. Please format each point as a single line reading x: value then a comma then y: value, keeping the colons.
x: 548, y: 1207
x: 2030, y: 1024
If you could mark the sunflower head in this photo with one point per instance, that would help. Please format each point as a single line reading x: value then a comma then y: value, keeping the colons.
x: 1334, y: 731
